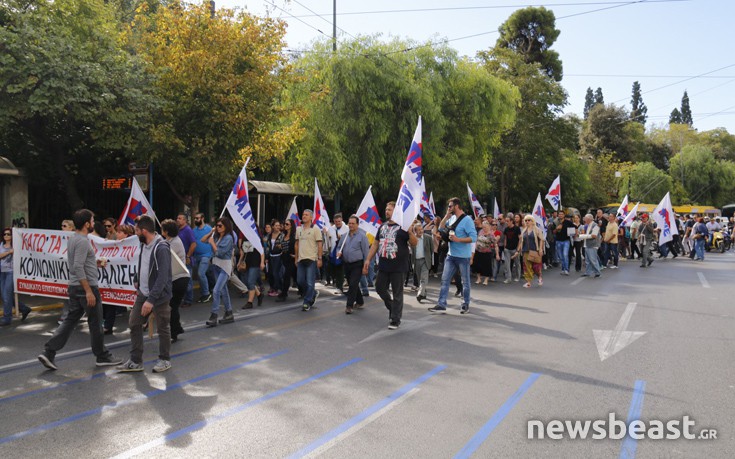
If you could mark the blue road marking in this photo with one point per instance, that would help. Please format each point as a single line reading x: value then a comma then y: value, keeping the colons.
x: 365, y: 414
x: 497, y: 418
x: 96, y: 376
x: 628, y: 449
x: 233, y: 411
x: 131, y: 400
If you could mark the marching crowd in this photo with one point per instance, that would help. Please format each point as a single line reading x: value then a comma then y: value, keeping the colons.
x: 454, y: 247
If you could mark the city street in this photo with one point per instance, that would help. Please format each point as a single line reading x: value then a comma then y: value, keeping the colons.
x: 649, y: 344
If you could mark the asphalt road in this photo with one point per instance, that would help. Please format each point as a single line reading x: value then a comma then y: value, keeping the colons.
x: 280, y: 382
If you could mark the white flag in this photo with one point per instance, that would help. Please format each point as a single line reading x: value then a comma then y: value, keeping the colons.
x: 477, y: 209
x: 539, y: 214
x: 663, y: 215
x: 238, y: 205
x: 496, y: 210
x: 368, y: 216
x: 630, y: 216
x: 431, y: 204
x: 293, y: 213
x: 408, y: 204
x: 136, y: 206
x: 321, y: 219
x: 623, y: 209
x: 554, y: 194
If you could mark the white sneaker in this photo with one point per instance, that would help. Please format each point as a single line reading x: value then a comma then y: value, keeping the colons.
x: 161, y: 366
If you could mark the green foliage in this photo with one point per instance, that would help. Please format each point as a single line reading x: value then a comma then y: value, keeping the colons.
x: 575, y: 180
x: 363, y: 104
x: 686, y: 111
x: 528, y: 157
x: 704, y: 179
x: 639, y: 110
x: 646, y: 183
x: 221, y: 78
x: 589, y: 102
x: 675, y: 117
x: 72, y: 97
x: 606, y: 186
x: 530, y: 32
x: 608, y: 130
x: 599, y: 98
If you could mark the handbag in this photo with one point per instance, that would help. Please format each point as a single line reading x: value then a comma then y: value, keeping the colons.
x: 534, y: 256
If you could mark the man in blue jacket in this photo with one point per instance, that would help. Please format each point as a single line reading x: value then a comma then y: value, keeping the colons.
x: 154, y: 293
x: 459, y: 230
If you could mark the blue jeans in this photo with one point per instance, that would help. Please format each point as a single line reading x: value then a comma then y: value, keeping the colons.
x: 6, y: 289
x: 699, y: 248
x: 201, y: 264
x: 276, y: 271
x: 562, y: 251
x: 612, y: 253
x: 306, y: 278
x: 220, y: 290
x: 251, y: 277
x: 451, y: 265
x: 593, y: 262
x: 364, y: 285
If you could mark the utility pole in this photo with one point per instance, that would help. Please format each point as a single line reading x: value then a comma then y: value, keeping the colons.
x: 334, y: 26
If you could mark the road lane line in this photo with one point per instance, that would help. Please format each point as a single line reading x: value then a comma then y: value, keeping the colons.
x: 129, y: 401
x: 497, y: 418
x: 578, y: 280
x: 704, y: 282
x: 628, y: 449
x: 232, y: 411
x: 353, y: 425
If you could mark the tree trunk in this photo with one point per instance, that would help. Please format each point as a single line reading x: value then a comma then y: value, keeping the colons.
x: 66, y: 181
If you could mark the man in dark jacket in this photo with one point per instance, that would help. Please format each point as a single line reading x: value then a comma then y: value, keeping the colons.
x: 154, y: 292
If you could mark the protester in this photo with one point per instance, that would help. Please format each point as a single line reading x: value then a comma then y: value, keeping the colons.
x: 531, y: 246
x: 181, y: 278
x: 461, y: 236
x: 335, y: 233
x: 611, y: 241
x: 309, y: 252
x: 202, y: 258
x: 646, y: 233
x: 254, y: 265
x: 153, y: 284
x: 391, y: 244
x: 288, y: 244
x: 421, y: 260
x: 700, y: 235
x: 66, y: 225
x: 565, y: 231
x: 634, y: 233
x: 84, y: 296
x: 110, y: 224
x: 353, y: 251
x: 275, y: 265
x: 222, y: 243
x: 578, y: 243
x: 189, y: 241
x: 590, y: 234
x: 486, y: 251
x: 512, y: 235
x: 6, y: 280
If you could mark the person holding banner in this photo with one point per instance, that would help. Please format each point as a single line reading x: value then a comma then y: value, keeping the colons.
x: 84, y: 296
x: 154, y: 292
x: 222, y: 242
x: 6, y: 280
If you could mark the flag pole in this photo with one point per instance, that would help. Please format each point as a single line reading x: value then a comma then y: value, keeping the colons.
x: 224, y: 208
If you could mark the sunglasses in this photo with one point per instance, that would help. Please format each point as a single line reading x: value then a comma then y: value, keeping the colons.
x: 220, y: 225
x: 108, y: 226
x: 7, y: 234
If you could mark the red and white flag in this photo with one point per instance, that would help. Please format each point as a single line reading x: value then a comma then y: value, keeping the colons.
x: 408, y: 204
x: 368, y: 216
x: 238, y: 205
x: 623, y: 209
x: 321, y: 219
x: 663, y: 215
x: 554, y: 194
x: 293, y: 213
x: 630, y: 216
x: 137, y: 205
x: 539, y: 214
x: 477, y: 209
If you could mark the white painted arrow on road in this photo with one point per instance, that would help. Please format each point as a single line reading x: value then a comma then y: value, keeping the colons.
x: 610, y: 342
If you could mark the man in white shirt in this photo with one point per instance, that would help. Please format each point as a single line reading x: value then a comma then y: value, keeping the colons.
x: 335, y: 233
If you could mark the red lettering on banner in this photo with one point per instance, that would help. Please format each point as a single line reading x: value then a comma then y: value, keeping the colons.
x: 55, y: 246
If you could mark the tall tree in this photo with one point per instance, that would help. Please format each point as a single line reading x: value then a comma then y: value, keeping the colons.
x: 686, y: 111
x: 589, y: 102
x: 608, y: 130
x: 72, y: 96
x: 675, y: 117
x: 221, y: 76
x: 530, y: 32
x: 638, y: 108
x: 363, y: 104
x: 599, y: 99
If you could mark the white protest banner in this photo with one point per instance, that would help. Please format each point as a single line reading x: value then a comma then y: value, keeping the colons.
x: 40, y: 265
